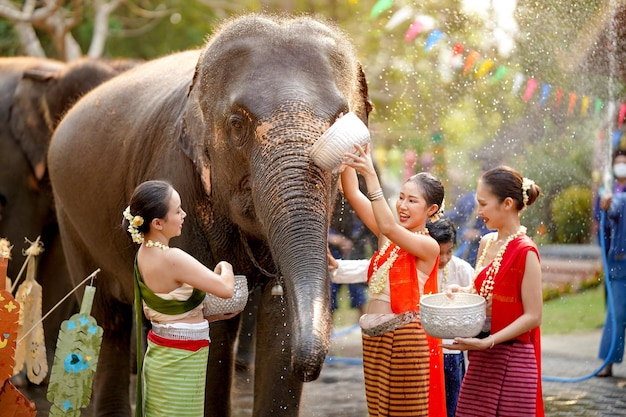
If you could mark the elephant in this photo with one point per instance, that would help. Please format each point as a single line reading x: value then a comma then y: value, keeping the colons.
x: 230, y: 126
x: 34, y: 95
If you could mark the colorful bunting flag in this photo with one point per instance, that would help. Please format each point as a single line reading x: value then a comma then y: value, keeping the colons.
x: 573, y: 98
x: 75, y: 361
x: 559, y: 98
x: 616, y: 138
x: 584, y: 106
x: 425, y: 23
x: 531, y: 86
x: 470, y: 61
x: 433, y: 37
x: 398, y: 17
x: 500, y: 73
x: 379, y: 7
x: 545, y: 92
x: 517, y: 83
x: 598, y: 107
x: 457, y: 49
x: 484, y: 68
x: 414, y: 30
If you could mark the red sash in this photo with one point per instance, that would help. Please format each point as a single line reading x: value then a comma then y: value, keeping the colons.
x: 507, y: 298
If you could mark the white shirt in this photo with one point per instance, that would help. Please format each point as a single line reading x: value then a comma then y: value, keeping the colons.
x: 459, y: 272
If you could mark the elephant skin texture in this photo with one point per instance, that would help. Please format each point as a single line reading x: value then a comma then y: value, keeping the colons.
x: 34, y: 94
x: 230, y: 126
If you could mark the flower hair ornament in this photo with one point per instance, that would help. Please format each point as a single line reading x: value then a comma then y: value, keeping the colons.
x: 526, y: 184
x: 133, y: 223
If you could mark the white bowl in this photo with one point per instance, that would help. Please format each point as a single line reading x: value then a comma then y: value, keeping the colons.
x: 328, y: 151
x: 213, y: 305
x: 447, y: 318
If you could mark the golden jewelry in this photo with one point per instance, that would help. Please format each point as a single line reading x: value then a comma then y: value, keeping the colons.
x: 378, y: 280
x: 153, y: 244
x: 487, y: 286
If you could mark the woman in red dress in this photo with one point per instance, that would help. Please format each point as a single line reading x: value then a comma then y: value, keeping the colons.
x: 504, y: 373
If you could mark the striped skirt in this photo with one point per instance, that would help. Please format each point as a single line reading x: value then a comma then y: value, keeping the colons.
x: 174, y: 377
x: 396, y: 368
x: 502, y: 381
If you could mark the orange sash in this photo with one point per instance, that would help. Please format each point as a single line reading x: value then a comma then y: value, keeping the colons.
x: 405, y: 296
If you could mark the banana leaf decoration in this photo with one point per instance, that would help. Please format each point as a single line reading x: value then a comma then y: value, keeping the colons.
x: 30, y: 352
x: 75, y: 361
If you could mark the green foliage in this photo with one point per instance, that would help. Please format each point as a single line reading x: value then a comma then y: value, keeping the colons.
x: 9, y: 42
x: 582, y: 311
x: 571, y: 212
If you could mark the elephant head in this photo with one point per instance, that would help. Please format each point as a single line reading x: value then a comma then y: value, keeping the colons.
x: 284, y: 84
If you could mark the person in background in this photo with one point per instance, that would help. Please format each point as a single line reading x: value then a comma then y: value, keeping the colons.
x: 614, y: 204
x: 452, y: 270
x: 504, y: 372
x: 403, y: 367
x: 470, y: 227
x: 170, y: 287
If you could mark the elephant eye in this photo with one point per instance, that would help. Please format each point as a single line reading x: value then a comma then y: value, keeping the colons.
x: 237, y: 126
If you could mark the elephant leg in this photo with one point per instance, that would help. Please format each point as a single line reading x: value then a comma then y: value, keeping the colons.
x: 277, y: 390
x: 112, y: 378
x: 220, y: 369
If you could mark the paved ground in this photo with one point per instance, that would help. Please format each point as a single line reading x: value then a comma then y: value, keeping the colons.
x: 565, y: 358
x: 339, y: 392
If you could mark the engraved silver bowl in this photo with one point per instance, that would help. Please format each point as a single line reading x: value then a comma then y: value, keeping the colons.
x: 213, y: 305
x: 463, y: 315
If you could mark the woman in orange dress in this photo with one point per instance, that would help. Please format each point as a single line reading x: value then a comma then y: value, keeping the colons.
x: 403, y: 367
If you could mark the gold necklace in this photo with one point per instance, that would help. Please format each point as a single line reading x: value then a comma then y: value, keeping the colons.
x: 486, y: 289
x: 151, y: 244
x: 378, y: 280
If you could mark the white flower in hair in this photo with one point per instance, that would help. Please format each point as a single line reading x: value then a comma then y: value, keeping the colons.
x: 133, y: 223
x: 526, y: 184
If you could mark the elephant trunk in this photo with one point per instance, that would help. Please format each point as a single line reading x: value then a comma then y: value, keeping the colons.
x: 293, y: 203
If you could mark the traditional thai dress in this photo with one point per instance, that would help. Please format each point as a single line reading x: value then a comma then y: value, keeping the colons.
x: 171, y: 377
x: 505, y: 380
x: 403, y: 366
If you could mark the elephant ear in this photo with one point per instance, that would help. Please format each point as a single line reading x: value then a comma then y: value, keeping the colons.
x: 30, y: 120
x: 188, y: 134
x: 363, y: 106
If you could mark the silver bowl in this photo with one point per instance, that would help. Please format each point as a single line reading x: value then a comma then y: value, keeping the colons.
x: 463, y: 315
x: 213, y: 305
x: 329, y: 149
